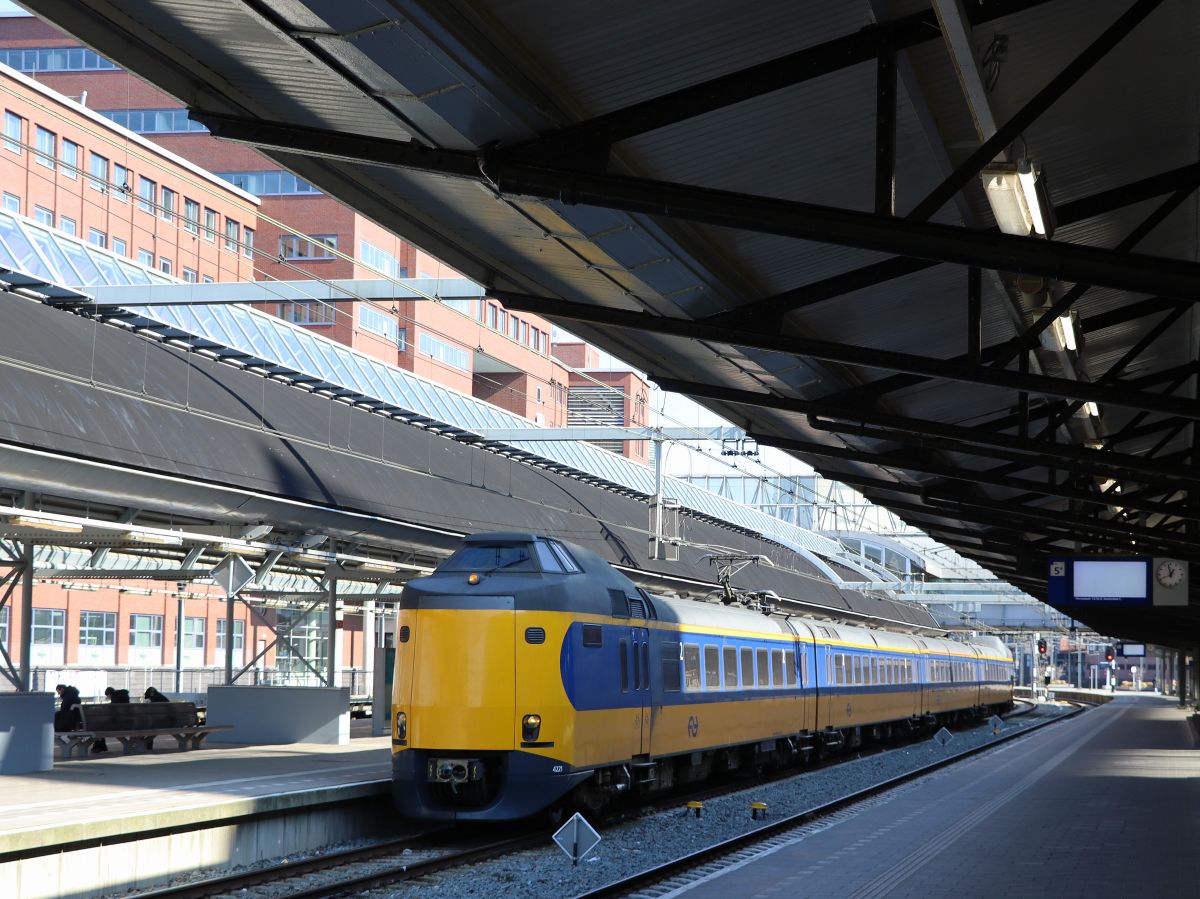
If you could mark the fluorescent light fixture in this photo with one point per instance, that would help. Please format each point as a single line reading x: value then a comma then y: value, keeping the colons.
x: 318, y: 558
x: 45, y: 524
x: 1012, y: 192
x: 155, y: 538
x: 1064, y: 330
x: 1027, y: 176
x: 240, y: 549
x: 382, y: 567
x: 1091, y: 409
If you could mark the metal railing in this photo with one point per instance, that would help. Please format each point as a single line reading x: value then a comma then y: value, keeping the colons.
x: 91, y: 681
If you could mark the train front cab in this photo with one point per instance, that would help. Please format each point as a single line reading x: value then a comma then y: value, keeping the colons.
x: 463, y: 747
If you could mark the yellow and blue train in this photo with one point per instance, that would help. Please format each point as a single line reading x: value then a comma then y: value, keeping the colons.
x: 530, y: 672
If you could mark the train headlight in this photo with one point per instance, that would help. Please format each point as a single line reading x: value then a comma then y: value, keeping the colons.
x: 401, y: 726
x: 531, y: 727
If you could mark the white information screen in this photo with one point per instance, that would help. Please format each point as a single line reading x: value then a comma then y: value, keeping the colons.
x: 1111, y: 579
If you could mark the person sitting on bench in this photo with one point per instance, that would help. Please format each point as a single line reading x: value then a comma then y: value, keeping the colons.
x: 101, y: 745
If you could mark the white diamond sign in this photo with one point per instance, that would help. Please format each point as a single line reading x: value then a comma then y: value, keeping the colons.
x: 232, y: 574
x: 942, y: 737
x: 577, y: 838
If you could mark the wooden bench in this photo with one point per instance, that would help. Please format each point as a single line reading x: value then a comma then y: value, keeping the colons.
x: 134, y: 723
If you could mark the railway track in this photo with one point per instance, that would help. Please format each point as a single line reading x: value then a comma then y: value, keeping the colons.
x: 380, y: 858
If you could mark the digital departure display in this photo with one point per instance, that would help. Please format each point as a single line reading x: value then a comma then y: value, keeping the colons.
x: 1111, y: 580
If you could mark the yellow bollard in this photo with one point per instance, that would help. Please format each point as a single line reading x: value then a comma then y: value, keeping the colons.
x: 756, y: 807
x: 696, y: 807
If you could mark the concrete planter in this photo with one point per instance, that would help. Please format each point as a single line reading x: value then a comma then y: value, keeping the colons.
x: 26, y: 732
x: 280, y: 714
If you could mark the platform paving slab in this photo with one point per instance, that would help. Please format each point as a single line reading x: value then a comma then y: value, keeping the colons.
x: 1101, y: 805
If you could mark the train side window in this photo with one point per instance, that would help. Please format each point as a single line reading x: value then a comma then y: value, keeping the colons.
x: 618, y: 604
x: 764, y: 673
x: 777, y: 667
x: 729, y: 657
x: 624, y: 653
x: 803, y: 668
x: 747, y: 668
x: 646, y: 665
x: 874, y: 670
x: 712, y: 668
x: 593, y: 635
x: 858, y: 669
x: 789, y: 666
x: 637, y: 668
x: 565, y: 559
x: 671, y: 653
x: 691, y: 667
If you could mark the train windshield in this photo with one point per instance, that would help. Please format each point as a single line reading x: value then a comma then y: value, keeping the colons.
x: 485, y: 557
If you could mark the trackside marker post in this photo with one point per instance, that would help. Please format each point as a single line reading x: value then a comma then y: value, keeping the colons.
x: 576, y: 838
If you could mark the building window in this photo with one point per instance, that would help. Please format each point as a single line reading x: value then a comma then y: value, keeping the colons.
x: 380, y: 260
x: 206, y: 279
x: 99, y: 179
x: 121, y: 185
x: 269, y: 183
x: 97, y: 628
x: 70, y: 159
x: 164, y: 265
x: 145, y: 258
x: 493, y: 315
x: 49, y: 627
x: 193, y: 633
x: 401, y: 339
x: 145, y: 630
x: 377, y: 322
x: 47, y: 147
x: 14, y: 132
x: 443, y: 352
x: 239, y: 635
x: 232, y: 229
x: 153, y: 121
x: 147, y: 194
x: 12, y: 202
x: 189, y: 275
x: 191, y: 215
x: 66, y: 224
x: 314, y: 246
x: 210, y: 224
x: 248, y: 241
x: 308, y: 312
x: 55, y: 59
x: 97, y: 237
x: 43, y: 216
x: 4, y: 627
x: 167, y: 198
x: 120, y: 247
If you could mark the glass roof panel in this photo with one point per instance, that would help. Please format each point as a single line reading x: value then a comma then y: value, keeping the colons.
x: 25, y: 257
x: 108, y: 267
x: 53, y: 253
x: 82, y: 262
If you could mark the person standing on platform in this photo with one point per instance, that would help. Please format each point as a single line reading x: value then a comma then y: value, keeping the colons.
x: 67, y: 716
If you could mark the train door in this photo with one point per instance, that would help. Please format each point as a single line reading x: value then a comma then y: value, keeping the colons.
x: 640, y: 682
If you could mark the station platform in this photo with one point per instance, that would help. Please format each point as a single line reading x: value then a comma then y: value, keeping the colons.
x: 184, y: 810
x: 1101, y: 805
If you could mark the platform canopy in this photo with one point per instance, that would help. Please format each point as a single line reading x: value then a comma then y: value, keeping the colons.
x: 944, y: 253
